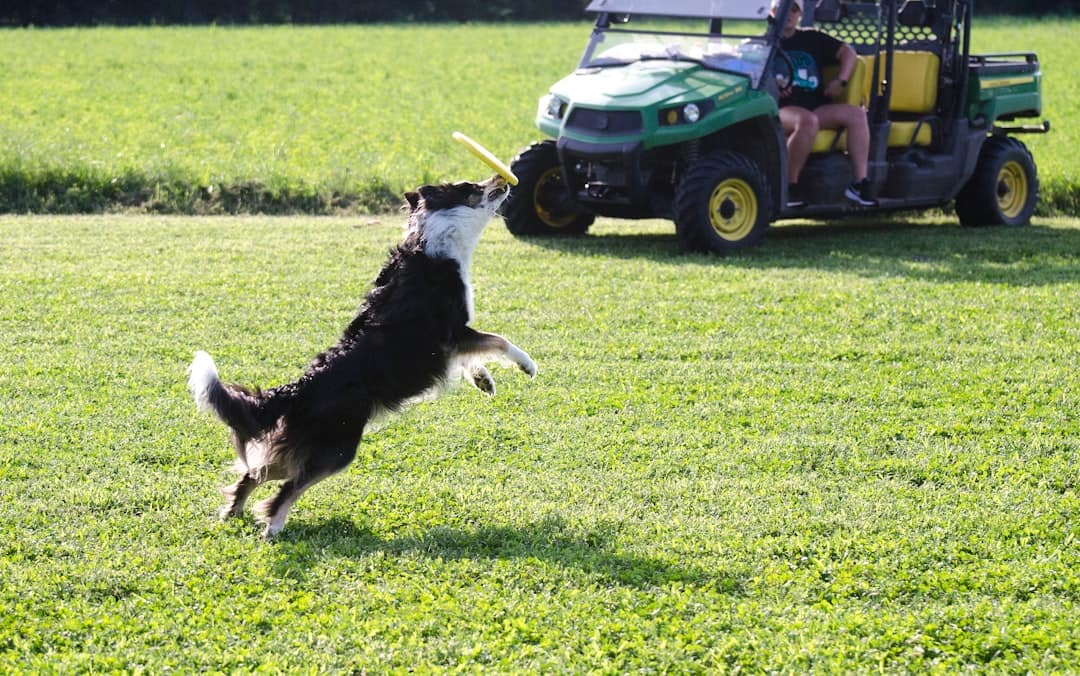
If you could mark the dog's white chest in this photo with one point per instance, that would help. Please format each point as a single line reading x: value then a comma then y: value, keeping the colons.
x: 455, y: 236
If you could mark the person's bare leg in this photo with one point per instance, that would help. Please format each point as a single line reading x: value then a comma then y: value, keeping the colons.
x: 853, y: 119
x: 800, y: 125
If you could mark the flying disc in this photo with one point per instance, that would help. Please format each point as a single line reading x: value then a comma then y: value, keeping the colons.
x: 486, y: 157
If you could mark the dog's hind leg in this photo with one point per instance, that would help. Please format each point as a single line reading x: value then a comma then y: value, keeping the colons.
x: 250, y: 478
x: 275, y: 510
x: 236, y: 495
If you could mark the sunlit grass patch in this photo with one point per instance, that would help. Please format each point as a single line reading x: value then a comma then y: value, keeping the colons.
x: 852, y: 449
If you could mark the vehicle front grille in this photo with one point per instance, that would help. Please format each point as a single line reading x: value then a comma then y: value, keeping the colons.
x: 610, y: 122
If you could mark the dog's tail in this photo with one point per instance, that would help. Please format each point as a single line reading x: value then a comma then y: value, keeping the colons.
x: 242, y: 410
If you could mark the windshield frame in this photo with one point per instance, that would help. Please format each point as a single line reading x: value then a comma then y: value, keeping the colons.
x: 745, y: 55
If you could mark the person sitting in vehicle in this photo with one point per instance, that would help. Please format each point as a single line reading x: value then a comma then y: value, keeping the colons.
x: 807, y: 104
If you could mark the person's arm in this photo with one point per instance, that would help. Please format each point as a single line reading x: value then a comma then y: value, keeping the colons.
x: 847, y: 58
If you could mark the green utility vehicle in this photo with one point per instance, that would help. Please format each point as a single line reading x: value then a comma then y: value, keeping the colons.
x: 672, y: 113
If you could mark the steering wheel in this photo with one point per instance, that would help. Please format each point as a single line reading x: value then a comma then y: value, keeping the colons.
x: 783, y: 69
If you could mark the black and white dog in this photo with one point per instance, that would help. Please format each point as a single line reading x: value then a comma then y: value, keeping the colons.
x: 410, y: 339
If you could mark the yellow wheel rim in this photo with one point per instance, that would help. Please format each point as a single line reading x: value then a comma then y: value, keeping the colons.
x: 733, y: 209
x: 1012, y: 189
x: 550, y: 181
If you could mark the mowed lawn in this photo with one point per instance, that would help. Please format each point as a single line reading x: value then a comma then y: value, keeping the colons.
x: 327, y: 119
x: 855, y: 448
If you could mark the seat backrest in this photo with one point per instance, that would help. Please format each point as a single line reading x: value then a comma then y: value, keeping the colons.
x: 915, y: 81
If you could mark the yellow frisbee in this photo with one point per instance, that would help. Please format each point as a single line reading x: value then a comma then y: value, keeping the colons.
x: 486, y: 157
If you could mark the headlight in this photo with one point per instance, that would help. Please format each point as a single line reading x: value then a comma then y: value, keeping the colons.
x: 688, y: 113
x: 552, y: 106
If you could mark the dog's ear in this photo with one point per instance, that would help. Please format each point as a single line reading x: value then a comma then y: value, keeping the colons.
x: 412, y: 199
x: 427, y: 192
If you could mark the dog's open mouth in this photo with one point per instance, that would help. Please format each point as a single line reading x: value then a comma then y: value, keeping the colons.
x: 500, y: 189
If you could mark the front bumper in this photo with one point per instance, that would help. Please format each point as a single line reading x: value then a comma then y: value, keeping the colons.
x: 607, y: 177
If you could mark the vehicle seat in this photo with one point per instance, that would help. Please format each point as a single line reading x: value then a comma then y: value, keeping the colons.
x: 913, y: 101
x: 911, y: 104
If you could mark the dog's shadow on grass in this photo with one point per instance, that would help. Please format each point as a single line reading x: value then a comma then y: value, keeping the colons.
x: 300, y: 547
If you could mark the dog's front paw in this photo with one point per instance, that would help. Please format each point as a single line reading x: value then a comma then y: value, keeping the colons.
x: 522, y: 359
x: 483, y: 381
x: 528, y: 365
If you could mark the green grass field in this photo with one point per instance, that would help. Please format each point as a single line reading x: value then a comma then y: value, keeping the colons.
x: 331, y: 119
x: 854, y: 449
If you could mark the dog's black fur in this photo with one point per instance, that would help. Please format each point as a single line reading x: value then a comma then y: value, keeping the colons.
x: 410, y: 338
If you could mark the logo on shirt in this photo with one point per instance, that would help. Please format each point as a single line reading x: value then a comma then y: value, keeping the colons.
x: 806, y: 71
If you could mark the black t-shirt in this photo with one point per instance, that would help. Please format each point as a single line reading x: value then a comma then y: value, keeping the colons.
x: 811, y: 51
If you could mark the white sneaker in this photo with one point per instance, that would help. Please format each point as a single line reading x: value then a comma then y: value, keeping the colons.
x: 854, y: 193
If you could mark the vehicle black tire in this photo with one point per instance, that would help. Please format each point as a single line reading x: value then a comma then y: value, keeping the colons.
x: 722, y: 204
x: 540, y: 204
x: 1004, y: 188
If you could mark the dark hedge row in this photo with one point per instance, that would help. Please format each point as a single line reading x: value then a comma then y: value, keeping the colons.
x: 82, y: 191
x: 89, y: 12
x: 79, y: 190
x: 126, y: 12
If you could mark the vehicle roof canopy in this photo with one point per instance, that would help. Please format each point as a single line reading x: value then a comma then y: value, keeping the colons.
x: 722, y: 9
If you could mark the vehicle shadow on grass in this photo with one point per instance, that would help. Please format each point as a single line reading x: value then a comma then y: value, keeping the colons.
x: 934, y: 250
x: 302, y: 546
